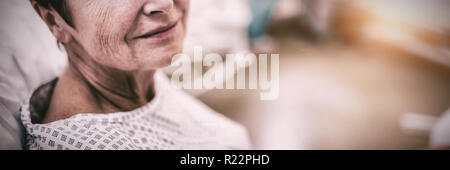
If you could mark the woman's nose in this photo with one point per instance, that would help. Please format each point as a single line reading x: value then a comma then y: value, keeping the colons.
x: 157, y: 6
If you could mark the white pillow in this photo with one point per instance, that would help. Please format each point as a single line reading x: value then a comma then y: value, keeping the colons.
x: 29, y: 57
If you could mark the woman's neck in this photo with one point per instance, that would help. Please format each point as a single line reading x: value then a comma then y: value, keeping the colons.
x: 123, y: 90
x: 88, y: 87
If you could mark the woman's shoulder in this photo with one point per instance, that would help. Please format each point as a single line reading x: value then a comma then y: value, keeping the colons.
x: 209, y: 119
x: 75, y: 133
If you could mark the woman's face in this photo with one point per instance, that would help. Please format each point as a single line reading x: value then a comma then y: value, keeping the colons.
x: 128, y: 34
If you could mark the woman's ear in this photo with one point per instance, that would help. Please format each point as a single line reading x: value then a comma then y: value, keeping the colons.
x: 54, y: 22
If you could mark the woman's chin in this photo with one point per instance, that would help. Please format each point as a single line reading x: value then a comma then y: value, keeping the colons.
x: 154, y: 63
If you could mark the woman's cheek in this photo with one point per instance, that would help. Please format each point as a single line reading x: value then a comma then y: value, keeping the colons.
x: 183, y: 8
x: 183, y: 3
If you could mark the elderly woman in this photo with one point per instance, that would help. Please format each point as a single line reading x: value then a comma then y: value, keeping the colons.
x: 111, y: 95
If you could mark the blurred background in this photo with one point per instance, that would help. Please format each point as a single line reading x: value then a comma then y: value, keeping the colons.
x: 354, y: 74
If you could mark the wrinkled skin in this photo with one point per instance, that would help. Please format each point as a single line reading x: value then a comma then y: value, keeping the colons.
x: 112, y: 56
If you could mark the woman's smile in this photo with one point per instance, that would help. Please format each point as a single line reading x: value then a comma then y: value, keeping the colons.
x: 161, y: 32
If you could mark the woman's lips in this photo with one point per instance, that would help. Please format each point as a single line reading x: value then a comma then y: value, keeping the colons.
x: 159, y: 32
